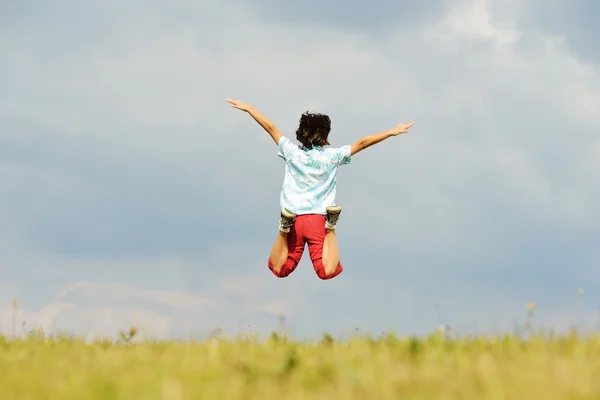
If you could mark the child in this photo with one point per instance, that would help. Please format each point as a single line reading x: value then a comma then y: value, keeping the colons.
x: 308, y: 210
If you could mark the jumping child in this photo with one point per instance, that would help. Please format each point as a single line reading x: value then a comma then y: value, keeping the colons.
x: 308, y: 210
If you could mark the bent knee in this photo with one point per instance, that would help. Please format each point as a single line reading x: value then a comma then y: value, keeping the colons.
x: 323, y: 273
x: 282, y: 270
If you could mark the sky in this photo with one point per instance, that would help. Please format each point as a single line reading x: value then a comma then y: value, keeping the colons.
x: 132, y: 194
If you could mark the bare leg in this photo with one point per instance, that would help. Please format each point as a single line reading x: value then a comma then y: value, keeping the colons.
x: 279, y: 251
x: 331, y: 252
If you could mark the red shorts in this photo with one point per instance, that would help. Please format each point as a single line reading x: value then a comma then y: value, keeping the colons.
x: 308, y: 228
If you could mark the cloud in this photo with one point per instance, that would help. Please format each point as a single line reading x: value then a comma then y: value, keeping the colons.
x: 571, y: 21
x: 122, y: 166
x: 378, y: 17
x: 170, y: 298
x: 103, y: 309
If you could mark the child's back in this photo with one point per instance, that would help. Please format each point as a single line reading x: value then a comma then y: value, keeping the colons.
x: 309, y: 185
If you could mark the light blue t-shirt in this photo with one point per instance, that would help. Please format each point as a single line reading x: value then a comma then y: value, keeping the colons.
x: 310, y: 178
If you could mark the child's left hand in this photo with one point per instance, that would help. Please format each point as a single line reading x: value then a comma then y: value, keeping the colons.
x: 238, y: 104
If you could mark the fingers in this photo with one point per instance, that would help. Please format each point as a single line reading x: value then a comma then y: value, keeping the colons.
x: 234, y: 103
x: 403, y: 128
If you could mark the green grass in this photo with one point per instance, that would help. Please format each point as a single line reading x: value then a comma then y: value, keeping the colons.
x: 357, y: 368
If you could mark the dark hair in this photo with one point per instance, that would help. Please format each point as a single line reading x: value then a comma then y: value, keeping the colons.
x: 313, y: 130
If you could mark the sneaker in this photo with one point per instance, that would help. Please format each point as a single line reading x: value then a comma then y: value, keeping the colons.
x: 333, y: 214
x: 287, y: 220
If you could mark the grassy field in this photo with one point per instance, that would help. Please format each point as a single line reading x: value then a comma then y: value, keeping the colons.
x: 380, y: 368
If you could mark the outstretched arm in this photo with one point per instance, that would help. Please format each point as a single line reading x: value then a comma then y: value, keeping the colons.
x: 370, y: 140
x: 258, y: 117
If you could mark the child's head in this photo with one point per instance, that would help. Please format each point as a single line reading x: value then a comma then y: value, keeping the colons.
x: 313, y: 130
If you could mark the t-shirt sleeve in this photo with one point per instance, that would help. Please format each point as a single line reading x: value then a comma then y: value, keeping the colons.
x: 341, y: 155
x: 285, y: 148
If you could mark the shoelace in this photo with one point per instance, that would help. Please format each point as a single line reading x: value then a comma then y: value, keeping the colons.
x: 332, y: 217
x: 286, y: 221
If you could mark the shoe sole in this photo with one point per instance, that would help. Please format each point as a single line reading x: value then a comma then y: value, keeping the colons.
x: 333, y: 210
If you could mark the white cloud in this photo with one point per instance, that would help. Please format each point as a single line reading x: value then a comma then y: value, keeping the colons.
x: 16, y: 320
x: 474, y: 21
x: 177, y: 299
x: 105, y: 308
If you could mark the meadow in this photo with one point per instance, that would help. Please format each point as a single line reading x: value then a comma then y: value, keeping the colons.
x: 386, y: 367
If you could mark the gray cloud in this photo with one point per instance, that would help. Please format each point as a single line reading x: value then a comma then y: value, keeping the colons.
x: 117, y: 145
x: 375, y: 17
x: 575, y: 21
